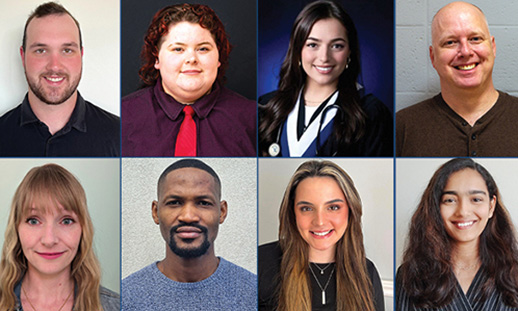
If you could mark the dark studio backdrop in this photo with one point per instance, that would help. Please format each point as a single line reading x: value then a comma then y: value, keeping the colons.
x: 374, y: 21
x: 238, y: 17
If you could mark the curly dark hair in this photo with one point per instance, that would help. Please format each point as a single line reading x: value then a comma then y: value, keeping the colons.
x: 159, y: 27
x: 426, y: 273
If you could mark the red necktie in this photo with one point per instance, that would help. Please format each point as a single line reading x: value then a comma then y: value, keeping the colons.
x: 186, y: 139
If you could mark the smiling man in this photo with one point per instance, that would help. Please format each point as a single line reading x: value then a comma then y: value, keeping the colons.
x: 54, y: 119
x: 188, y: 211
x: 469, y: 117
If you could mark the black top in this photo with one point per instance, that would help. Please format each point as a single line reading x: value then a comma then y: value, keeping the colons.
x: 377, y: 140
x: 270, y: 256
x: 90, y: 132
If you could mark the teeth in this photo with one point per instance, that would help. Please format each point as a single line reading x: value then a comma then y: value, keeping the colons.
x: 54, y: 79
x: 324, y: 69
x: 464, y: 224
x: 467, y: 67
x: 321, y: 233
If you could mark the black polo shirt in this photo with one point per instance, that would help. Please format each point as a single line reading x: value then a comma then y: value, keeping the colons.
x: 90, y: 132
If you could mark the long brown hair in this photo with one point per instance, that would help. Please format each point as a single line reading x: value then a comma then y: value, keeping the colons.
x: 428, y: 251
x: 352, y: 280
x: 46, y: 186
x: 349, y: 126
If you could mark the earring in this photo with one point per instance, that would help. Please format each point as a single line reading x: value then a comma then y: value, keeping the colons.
x: 300, y: 63
x: 348, y: 61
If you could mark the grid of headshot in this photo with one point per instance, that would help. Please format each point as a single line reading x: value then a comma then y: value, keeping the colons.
x: 230, y: 155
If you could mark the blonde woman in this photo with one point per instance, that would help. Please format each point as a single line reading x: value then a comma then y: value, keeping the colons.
x: 47, y: 259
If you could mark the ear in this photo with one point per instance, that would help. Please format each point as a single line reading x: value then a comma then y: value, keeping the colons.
x: 82, y: 51
x: 157, y: 64
x: 154, y: 212
x: 22, y: 54
x: 493, y: 45
x: 219, y: 64
x: 432, y: 56
x: 492, y: 206
x: 223, y: 209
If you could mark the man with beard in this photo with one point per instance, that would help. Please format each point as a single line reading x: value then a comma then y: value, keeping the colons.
x: 53, y: 119
x: 189, y: 211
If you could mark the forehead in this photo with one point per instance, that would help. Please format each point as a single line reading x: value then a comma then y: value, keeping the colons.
x: 320, y: 185
x: 459, y: 17
x: 329, y: 27
x: 466, y: 179
x: 188, y: 33
x: 191, y: 179
x: 53, y: 28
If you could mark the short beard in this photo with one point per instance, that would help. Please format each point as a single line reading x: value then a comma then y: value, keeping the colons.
x: 38, y: 90
x: 189, y: 252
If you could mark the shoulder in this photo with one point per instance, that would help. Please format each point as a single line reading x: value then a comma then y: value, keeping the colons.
x: 11, y: 115
x: 240, y: 275
x: 265, y: 98
x: 100, y: 115
x: 137, y: 96
x: 270, y: 256
x: 506, y: 98
x: 110, y: 300
x: 139, y: 278
x: 227, y: 96
x: 420, y: 109
x: 272, y: 250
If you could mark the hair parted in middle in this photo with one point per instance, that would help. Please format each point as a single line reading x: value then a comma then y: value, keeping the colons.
x: 428, y: 248
x: 45, y: 188
x: 162, y: 22
x: 352, y: 279
x: 292, y: 78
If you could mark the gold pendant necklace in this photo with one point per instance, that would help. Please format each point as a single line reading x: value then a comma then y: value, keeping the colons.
x: 32, y: 306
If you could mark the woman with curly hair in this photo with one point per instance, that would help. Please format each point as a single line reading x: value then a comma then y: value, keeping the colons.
x: 319, y: 261
x: 461, y: 252
x: 184, y: 110
x: 317, y: 109
x: 48, y: 262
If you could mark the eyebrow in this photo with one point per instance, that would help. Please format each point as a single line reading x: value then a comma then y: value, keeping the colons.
x: 67, y: 44
x: 328, y: 202
x: 469, y: 192
x: 333, y: 40
x: 183, y: 44
x: 199, y: 197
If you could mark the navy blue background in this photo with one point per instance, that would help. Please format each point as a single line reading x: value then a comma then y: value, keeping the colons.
x: 374, y: 21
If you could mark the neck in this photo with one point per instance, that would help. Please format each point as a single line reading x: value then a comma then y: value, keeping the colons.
x: 315, y: 94
x: 189, y: 270
x: 44, y: 290
x: 465, y: 255
x: 54, y: 116
x: 322, y: 256
x: 470, y: 104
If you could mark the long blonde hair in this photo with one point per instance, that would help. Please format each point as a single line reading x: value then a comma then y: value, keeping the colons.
x: 353, y: 286
x: 47, y: 186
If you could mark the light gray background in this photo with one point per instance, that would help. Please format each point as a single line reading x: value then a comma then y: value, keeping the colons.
x: 99, y: 21
x: 416, y: 79
x: 413, y: 175
x: 142, y: 243
x: 101, y: 182
x: 373, y: 179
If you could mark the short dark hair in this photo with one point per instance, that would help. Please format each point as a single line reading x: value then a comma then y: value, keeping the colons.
x: 46, y: 9
x: 189, y: 163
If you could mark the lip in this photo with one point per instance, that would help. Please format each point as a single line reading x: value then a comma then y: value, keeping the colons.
x: 323, y: 69
x: 466, y: 67
x: 322, y: 234
x: 191, y: 71
x: 54, y: 80
x: 53, y: 255
x: 464, y: 224
x: 188, y: 232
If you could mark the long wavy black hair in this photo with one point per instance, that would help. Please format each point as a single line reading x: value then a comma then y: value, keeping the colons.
x: 349, y: 126
x: 426, y: 273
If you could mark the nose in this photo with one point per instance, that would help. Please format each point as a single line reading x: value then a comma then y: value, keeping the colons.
x: 319, y: 218
x: 49, y: 236
x: 54, y: 62
x: 191, y: 57
x: 463, y: 208
x: 323, y: 53
x: 465, y: 48
x: 189, y: 213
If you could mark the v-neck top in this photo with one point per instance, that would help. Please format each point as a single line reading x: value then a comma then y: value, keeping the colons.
x: 469, y: 301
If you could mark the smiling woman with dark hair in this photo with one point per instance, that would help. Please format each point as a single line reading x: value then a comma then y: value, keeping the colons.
x: 318, y: 109
x: 462, y: 252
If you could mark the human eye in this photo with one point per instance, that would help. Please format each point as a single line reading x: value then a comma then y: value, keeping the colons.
x: 448, y: 200
x: 205, y: 203
x: 177, y: 49
x: 204, y: 49
x: 338, y: 46
x: 311, y: 45
x: 305, y: 209
x: 449, y: 43
x: 334, y: 207
x: 476, y: 39
x: 477, y: 199
x: 68, y: 221
x: 32, y: 221
x: 39, y: 51
x: 173, y: 202
x: 68, y: 51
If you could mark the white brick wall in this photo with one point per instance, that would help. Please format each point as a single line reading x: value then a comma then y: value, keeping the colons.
x: 417, y: 80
